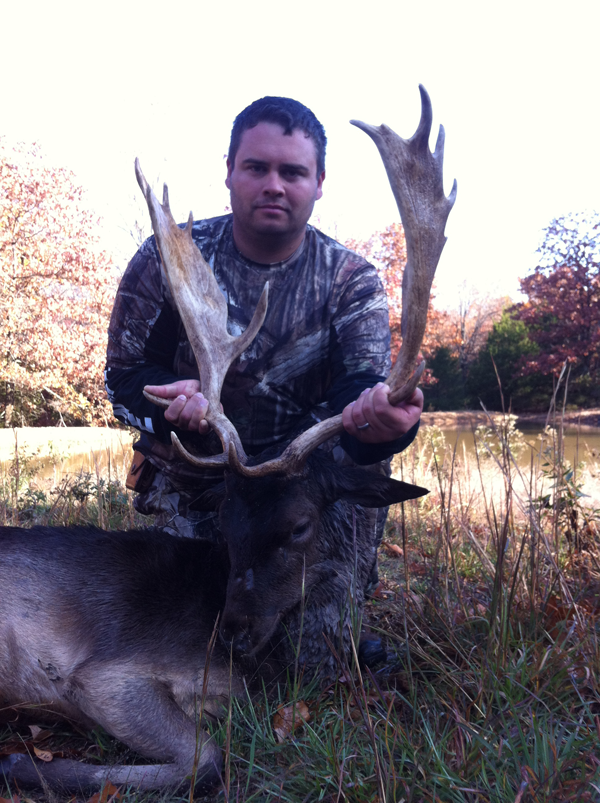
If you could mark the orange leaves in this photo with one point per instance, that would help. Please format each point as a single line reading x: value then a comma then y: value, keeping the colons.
x: 393, y: 549
x: 562, y: 310
x: 289, y: 718
x: 43, y: 755
x: 560, y: 616
x: 107, y: 794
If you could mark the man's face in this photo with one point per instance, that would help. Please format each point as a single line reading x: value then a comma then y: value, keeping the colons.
x: 274, y: 182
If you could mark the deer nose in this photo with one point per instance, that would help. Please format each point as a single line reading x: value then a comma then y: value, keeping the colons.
x: 237, y: 640
x: 244, y: 581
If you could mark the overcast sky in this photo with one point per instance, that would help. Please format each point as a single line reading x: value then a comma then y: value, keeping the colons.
x: 516, y: 85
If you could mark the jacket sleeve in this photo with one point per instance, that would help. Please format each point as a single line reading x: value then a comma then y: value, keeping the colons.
x: 142, y: 339
x: 360, y: 354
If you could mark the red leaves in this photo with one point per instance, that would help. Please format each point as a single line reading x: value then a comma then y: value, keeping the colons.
x: 562, y: 310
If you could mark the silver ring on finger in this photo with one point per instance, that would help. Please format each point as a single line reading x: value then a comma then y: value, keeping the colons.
x: 363, y: 426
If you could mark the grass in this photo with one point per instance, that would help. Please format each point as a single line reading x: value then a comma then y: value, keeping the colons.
x: 489, y: 603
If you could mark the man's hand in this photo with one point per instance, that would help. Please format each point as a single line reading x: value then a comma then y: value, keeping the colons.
x: 188, y: 408
x: 385, y: 422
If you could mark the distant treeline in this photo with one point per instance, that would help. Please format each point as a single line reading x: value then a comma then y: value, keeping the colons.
x: 58, y: 284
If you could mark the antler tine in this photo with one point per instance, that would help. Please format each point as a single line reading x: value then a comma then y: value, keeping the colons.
x: 203, y: 311
x: 416, y: 178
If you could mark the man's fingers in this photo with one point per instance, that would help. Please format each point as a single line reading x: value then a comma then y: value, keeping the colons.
x: 188, y: 413
x: 173, y: 412
x: 185, y: 387
x: 372, y: 419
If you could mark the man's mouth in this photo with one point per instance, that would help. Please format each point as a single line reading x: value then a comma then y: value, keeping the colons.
x: 272, y: 208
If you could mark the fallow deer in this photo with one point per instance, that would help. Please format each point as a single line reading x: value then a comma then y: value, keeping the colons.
x: 114, y: 628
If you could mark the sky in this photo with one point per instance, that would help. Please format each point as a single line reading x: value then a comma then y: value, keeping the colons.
x: 515, y: 84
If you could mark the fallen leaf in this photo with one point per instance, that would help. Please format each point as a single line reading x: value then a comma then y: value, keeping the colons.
x: 13, y: 799
x: 418, y: 568
x: 38, y: 734
x: 108, y: 793
x: 393, y: 549
x: 43, y: 755
x: 287, y: 719
x: 379, y: 592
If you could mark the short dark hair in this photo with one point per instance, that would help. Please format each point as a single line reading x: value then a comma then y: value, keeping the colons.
x: 289, y: 114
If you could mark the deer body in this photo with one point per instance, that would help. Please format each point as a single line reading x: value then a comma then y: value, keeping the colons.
x: 113, y: 628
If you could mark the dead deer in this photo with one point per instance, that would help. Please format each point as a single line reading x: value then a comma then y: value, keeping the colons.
x: 114, y: 628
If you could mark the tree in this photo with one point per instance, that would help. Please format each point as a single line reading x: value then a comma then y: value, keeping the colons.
x: 447, y: 391
x: 452, y: 338
x: 507, y: 347
x: 387, y: 251
x: 464, y: 330
x: 562, y: 311
x: 56, y: 287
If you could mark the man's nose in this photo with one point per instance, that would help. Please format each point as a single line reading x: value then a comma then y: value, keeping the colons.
x: 273, y: 183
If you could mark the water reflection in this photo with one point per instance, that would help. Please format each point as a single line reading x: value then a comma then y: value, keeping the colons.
x: 49, y: 454
x: 581, y: 444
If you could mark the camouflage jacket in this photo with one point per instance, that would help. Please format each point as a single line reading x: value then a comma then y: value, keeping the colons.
x: 325, y: 338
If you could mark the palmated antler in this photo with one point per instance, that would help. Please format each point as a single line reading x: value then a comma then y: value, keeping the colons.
x: 416, y: 178
x: 203, y: 310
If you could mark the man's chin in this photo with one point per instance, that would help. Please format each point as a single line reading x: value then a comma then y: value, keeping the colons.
x: 274, y: 228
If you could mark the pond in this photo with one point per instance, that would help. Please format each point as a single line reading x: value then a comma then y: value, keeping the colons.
x: 50, y: 453
x: 47, y: 454
x: 581, y: 444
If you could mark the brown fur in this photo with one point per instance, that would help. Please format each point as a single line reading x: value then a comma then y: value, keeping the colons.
x: 113, y: 627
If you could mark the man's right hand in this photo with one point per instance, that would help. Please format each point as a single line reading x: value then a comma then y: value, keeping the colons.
x: 188, y: 406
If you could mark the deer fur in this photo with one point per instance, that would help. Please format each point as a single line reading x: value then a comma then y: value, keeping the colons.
x: 113, y: 628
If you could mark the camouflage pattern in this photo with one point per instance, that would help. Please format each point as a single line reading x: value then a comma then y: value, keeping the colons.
x: 325, y: 338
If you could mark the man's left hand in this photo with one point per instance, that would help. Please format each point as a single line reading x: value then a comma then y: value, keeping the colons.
x: 386, y: 422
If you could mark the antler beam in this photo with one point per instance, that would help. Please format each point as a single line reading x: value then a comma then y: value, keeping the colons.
x: 203, y: 310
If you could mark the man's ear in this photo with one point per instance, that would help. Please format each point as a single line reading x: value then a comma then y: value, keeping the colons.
x: 229, y: 171
x: 320, y: 181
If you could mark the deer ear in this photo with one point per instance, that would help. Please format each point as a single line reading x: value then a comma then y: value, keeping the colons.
x: 362, y: 487
x: 211, y: 498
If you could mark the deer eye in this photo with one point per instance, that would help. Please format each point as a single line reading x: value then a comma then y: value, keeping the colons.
x: 301, y: 529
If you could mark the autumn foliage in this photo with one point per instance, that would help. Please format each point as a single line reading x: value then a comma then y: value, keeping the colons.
x: 56, y: 288
x: 387, y: 251
x: 453, y: 338
x: 562, y: 310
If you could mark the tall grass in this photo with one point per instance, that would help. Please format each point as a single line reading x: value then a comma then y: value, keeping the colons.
x: 489, y: 606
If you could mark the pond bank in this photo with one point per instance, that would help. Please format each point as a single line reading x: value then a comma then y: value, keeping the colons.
x: 58, y: 441
x: 468, y: 419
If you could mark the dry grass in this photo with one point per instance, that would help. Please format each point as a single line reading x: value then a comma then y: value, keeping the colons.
x: 490, y: 605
